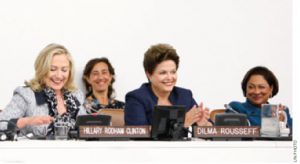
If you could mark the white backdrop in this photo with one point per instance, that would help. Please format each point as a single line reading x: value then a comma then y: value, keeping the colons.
x: 217, y: 40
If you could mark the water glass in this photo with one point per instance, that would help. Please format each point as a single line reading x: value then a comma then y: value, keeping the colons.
x: 270, y: 121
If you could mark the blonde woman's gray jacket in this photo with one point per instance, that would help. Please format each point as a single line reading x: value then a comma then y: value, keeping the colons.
x: 27, y: 103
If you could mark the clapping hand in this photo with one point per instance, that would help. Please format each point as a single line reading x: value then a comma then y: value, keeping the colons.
x: 203, y: 116
x: 197, y: 115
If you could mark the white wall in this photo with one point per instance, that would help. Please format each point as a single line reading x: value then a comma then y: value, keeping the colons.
x: 217, y: 40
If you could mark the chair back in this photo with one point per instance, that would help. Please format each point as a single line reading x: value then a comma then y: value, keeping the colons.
x: 214, y: 112
x: 117, y: 116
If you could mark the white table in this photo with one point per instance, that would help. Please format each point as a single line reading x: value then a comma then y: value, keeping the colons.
x: 199, y: 151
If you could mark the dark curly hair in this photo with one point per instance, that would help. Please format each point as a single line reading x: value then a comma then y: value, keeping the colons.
x: 266, y: 73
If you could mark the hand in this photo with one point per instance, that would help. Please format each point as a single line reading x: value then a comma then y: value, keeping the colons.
x: 191, y: 116
x: 198, y: 115
x: 204, y: 116
x: 40, y: 120
x: 35, y: 120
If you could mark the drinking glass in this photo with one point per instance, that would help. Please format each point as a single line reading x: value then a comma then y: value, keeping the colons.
x: 270, y: 121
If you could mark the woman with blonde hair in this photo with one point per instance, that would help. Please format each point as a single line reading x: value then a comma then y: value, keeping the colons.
x: 50, y: 94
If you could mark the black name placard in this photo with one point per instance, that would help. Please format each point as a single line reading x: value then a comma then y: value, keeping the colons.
x: 114, y: 131
x: 226, y: 131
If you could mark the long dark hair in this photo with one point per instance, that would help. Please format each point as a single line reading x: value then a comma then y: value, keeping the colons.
x: 88, y: 69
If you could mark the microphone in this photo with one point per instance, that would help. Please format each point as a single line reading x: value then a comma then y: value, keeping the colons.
x: 88, y: 105
x: 230, y: 108
x: 234, y: 111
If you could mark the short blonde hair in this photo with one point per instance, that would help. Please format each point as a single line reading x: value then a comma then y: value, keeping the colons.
x: 42, y: 67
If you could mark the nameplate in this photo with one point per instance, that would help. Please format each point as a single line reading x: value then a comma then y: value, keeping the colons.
x: 226, y: 131
x: 114, y: 131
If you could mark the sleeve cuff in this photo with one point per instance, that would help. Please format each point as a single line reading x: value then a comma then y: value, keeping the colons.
x: 12, y: 124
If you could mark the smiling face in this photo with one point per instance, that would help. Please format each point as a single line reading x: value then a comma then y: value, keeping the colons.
x: 100, y: 78
x: 164, y: 77
x: 59, y: 72
x: 258, y: 90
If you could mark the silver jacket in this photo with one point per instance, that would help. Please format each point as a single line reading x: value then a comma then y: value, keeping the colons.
x: 26, y: 103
